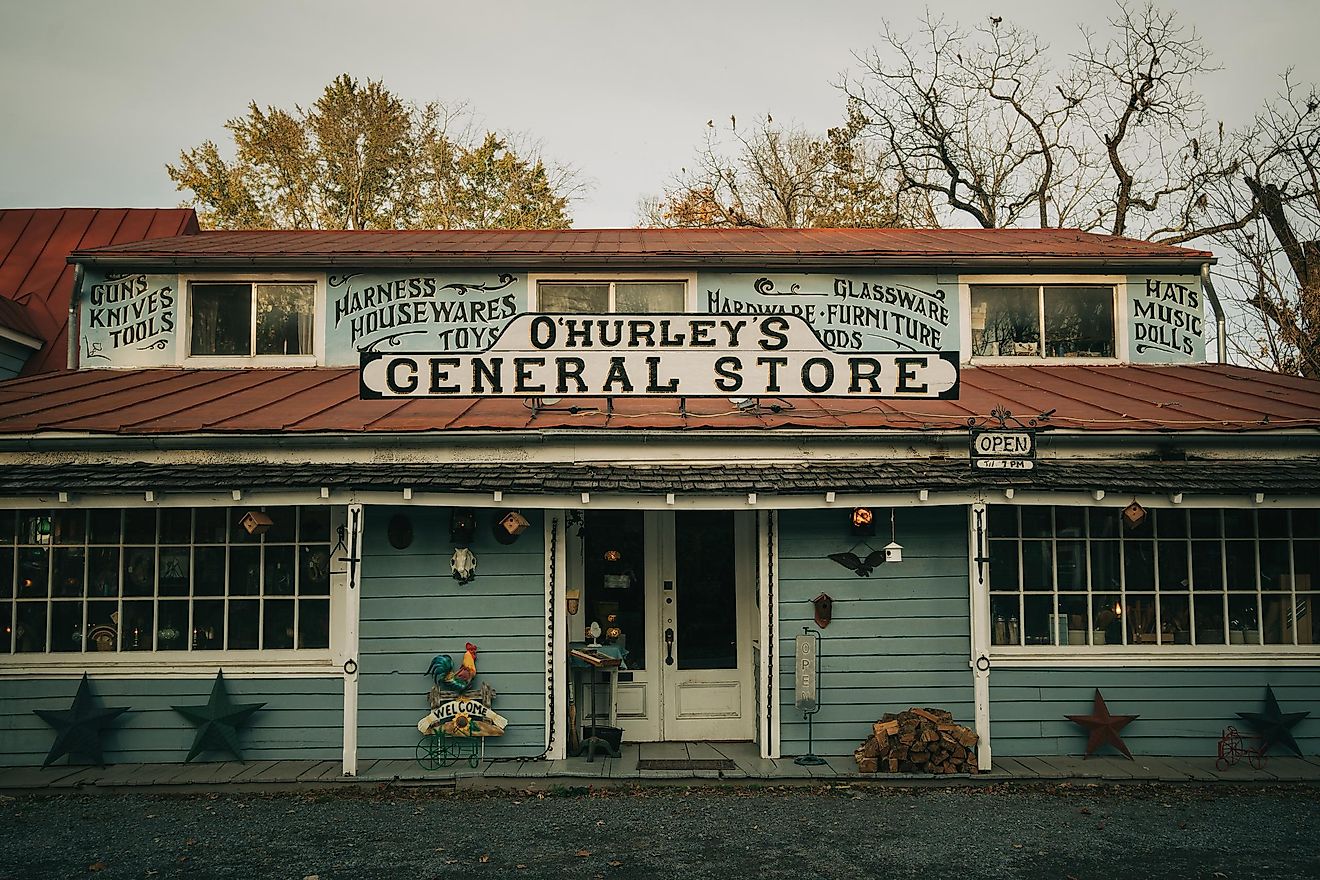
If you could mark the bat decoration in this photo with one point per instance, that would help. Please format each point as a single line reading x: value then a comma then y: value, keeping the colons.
x: 860, y: 567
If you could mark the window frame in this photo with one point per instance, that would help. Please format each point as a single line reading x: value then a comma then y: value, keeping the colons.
x: 156, y: 663
x: 315, y: 358
x: 1126, y: 653
x: 1117, y: 283
x: 688, y: 279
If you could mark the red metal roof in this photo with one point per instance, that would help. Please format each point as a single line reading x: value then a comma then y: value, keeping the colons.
x: 324, y: 400
x: 760, y: 247
x: 14, y: 316
x: 35, y: 244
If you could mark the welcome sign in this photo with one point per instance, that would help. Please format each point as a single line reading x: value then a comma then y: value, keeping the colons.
x: 675, y: 355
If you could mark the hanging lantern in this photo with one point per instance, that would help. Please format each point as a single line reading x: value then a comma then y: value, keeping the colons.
x: 863, y: 522
x: 462, y: 526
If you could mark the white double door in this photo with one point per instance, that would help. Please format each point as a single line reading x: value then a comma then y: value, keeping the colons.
x: 679, y: 588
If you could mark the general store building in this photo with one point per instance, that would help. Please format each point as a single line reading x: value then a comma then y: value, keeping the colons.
x: 168, y: 381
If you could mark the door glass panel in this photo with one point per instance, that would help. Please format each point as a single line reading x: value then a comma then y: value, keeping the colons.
x: 707, y: 590
x: 614, y: 565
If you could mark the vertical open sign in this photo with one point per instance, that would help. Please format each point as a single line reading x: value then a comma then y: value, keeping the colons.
x: 806, y: 657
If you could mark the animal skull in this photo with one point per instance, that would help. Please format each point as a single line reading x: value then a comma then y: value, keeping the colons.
x: 464, y: 565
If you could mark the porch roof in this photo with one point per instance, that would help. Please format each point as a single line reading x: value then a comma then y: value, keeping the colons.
x: 1297, y: 476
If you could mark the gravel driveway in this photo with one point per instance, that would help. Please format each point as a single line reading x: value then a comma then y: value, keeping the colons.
x: 1054, y: 832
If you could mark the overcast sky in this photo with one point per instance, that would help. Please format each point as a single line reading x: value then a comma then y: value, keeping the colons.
x: 96, y: 97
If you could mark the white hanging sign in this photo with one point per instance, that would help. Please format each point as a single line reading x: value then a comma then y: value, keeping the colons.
x: 659, y: 355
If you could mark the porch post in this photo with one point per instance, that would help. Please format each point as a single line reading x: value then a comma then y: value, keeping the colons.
x: 767, y: 680
x: 979, y: 607
x: 352, y: 614
x: 556, y: 637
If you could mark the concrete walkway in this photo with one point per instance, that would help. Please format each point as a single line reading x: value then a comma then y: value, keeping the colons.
x: 604, y: 771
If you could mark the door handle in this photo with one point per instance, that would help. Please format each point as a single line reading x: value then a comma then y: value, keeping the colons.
x: 669, y: 646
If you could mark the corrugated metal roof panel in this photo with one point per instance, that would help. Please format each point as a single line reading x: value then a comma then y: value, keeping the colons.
x: 675, y: 246
x: 35, y: 244
x: 324, y: 400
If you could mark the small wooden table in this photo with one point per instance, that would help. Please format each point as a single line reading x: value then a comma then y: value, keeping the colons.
x: 591, y: 660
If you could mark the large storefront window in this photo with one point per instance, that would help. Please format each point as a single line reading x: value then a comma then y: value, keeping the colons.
x: 1220, y: 579
x: 178, y: 579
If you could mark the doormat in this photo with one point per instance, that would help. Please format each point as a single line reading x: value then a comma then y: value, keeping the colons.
x: 687, y: 764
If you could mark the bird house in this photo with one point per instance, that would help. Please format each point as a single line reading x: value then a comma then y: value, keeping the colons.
x: 514, y: 523
x: 893, y: 552
x: 1134, y: 515
x: 255, y: 522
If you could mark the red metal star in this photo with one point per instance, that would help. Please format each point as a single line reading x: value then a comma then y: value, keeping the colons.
x: 1103, y: 728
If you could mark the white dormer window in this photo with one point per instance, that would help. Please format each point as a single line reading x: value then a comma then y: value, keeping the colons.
x: 591, y: 296
x: 1043, y: 320
x: 243, y: 319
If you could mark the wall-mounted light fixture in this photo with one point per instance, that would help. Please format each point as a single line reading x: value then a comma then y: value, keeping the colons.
x: 863, y: 522
x: 462, y: 526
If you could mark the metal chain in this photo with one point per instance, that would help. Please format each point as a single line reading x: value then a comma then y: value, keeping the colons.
x: 770, y: 619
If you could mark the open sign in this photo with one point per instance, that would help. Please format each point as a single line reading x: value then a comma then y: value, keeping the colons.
x: 1003, y: 449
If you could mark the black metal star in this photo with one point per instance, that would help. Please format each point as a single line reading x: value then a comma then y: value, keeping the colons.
x: 1274, y: 725
x: 78, y: 729
x: 1103, y: 728
x: 218, y: 721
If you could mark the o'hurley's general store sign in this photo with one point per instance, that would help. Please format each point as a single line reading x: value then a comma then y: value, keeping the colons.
x: 682, y: 355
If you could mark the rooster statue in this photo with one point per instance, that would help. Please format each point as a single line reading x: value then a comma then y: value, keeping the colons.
x: 448, y: 678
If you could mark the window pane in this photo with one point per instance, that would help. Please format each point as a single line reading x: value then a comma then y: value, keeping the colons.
x: 314, y: 571
x: 102, y: 626
x: 1273, y: 523
x: 1139, y: 614
x: 1070, y: 522
x: 66, y: 626
x: 557, y: 297
x: 277, y: 633
x: 1071, y: 563
x: 1209, y: 620
x: 279, y: 571
x: 1274, y: 574
x: 284, y: 318
x: 139, y: 571
x: 174, y: 571
x: 69, y: 563
x: 208, y: 625
x: 1306, y: 524
x: 283, y: 522
x: 1037, y: 565
x: 1306, y: 564
x: 1205, y: 524
x: 103, y: 572
x: 1207, y: 566
x: 1241, y: 565
x: 210, y: 525
x: 1072, y: 611
x: 34, y: 527
x: 1004, y: 565
x: 209, y: 571
x: 6, y: 627
x: 1308, y: 618
x: 1005, y: 321
x: 1173, y: 567
x: 221, y: 319
x: 6, y: 574
x: 176, y: 526
x: 314, y: 524
x: 138, y: 625
x: 69, y: 526
x: 1036, y: 612
x: 1104, y: 522
x: 1106, y: 620
x: 1239, y: 524
x: 650, y: 296
x: 106, y: 526
x: 33, y: 572
x: 139, y: 526
x: 244, y: 572
x: 1079, y: 322
x: 1105, y: 573
x: 7, y: 518
x: 1175, y: 619
x: 1004, y: 627
x: 172, y: 633
x: 1171, y: 523
x: 314, y: 624
x: 243, y: 624
x: 30, y: 627
x: 1037, y: 523
x: 1243, y: 622
x: 1277, y: 613
x: 1139, y: 565
x: 1003, y: 521
x: 707, y: 590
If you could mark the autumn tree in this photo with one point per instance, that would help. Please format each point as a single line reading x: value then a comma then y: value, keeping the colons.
x: 360, y: 157
x: 772, y: 175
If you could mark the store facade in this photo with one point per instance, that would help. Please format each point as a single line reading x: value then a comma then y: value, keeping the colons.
x: 686, y: 425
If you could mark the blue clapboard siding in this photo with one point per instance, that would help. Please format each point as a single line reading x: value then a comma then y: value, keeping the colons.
x: 12, y: 358
x: 413, y: 609
x: 899, y: 638
x: 303, y: 718
x: 1183, y: 711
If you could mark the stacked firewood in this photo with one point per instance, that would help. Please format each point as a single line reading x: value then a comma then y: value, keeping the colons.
x: 918, y: 741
